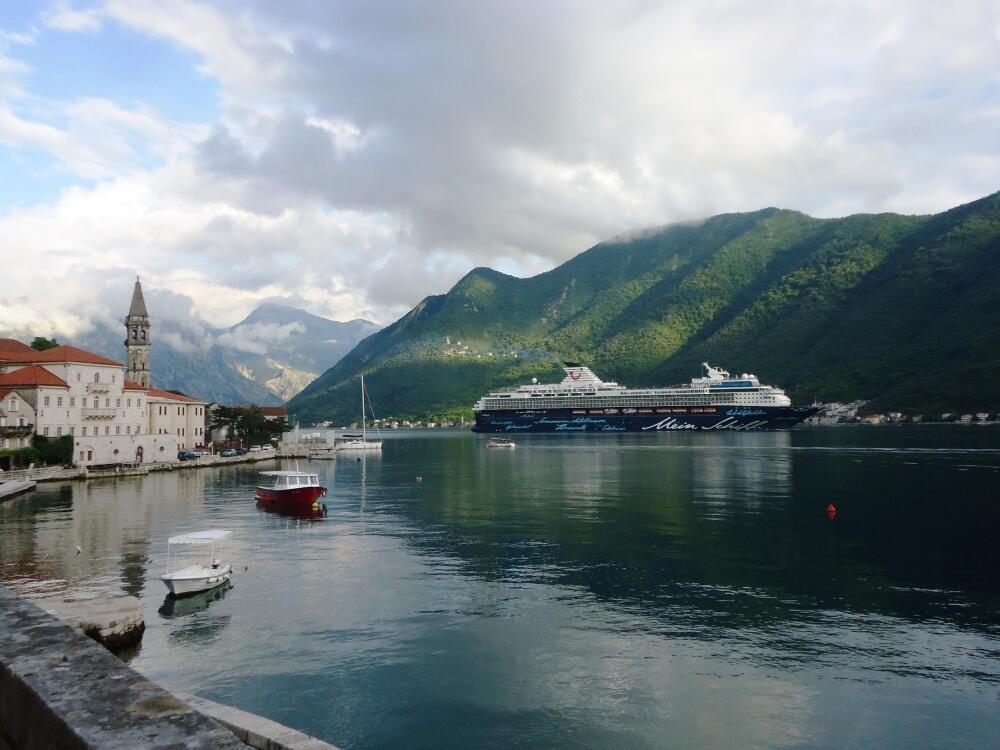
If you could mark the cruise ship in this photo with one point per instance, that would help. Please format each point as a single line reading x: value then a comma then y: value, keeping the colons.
x: 583, y: 402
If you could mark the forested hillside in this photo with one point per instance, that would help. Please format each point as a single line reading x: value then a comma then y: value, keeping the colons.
x: 901, y: 310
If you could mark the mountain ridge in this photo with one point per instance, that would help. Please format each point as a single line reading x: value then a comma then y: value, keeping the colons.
x: 839, y: 308
x: 264, y: 359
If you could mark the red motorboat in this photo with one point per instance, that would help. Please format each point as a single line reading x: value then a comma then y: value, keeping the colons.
x: 289, y: 489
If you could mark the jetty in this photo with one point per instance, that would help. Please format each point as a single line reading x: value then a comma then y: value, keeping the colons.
x: 15, y: 487
x: 61, y: 689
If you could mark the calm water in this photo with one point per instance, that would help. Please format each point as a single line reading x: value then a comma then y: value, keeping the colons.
x: 607, y: 592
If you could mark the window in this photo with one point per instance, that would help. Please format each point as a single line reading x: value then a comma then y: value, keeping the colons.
x: 107, y: 429
x: 118, y: 429
x: 107, y: 403
x: 90, y: 455
x: 46, y: 400
x: 128, y: 429
x: 72, y: 400
x: 128, y: 403
x: 45, y: 431
x: 97, y: 377
x: 58, y: 400
x: 84, y: 402
x: 84, y: 431
x: 58, y: 431
x: 118, y: 403
x: 72, y: 430
x: 12, y: 406
x: 112, y: 378
x: 78, y: 380
x: 81, y: 453
x: 138, y: 402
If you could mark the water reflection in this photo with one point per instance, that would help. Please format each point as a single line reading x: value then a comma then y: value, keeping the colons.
x: 614, y: 592
x: 188, y: 605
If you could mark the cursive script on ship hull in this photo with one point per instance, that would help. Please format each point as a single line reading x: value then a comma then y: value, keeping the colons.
x: 564, y: 421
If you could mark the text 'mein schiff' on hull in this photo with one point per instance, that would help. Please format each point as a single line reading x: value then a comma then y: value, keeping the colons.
x: 582, y: 402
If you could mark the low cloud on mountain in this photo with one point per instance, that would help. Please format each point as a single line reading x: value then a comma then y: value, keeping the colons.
x: 258, y: 338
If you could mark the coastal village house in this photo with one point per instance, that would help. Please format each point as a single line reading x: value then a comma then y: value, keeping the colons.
x: 112, y: 411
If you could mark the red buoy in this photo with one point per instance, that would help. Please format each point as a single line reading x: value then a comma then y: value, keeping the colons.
x: 831, y: 510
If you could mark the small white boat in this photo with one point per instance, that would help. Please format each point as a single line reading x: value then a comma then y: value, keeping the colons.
x: 500, y: 443
x: 196, y: 577
x: 359, y: 442
x: 356, y: 443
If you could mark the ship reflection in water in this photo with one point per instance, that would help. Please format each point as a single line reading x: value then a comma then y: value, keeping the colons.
x: 629, y: 590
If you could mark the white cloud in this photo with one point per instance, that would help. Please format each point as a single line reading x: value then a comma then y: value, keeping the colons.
x: 64, y: 17
x: 367, y: 155
x: 258, y: 338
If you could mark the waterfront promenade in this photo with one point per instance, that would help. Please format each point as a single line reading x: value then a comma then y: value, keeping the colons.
x: 62, y: 474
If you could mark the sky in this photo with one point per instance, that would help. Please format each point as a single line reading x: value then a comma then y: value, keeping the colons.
x: 351, y: 158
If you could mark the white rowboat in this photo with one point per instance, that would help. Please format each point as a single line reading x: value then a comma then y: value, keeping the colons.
x: 198, y: 577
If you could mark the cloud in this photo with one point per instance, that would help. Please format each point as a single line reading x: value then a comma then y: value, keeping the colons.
x: 259, y: 338
x: 367, y: 154
x: 64, y: 17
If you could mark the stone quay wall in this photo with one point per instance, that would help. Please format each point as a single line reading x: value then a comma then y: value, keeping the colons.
x: 60, y: 689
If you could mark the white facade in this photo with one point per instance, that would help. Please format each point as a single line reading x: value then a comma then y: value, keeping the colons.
x: 111, y: 420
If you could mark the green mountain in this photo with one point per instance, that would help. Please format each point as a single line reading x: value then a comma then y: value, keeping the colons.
x: 901, y: 310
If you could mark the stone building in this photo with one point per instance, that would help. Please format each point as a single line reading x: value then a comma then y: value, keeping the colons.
x: 112, y: 418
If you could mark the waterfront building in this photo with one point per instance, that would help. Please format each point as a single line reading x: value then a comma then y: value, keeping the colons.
x: 221, y: 434
x: 67, y: 391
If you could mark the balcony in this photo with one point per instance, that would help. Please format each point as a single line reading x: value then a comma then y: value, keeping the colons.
x: 17, y: 430
x: 98, y: 387
x: 91, y: 413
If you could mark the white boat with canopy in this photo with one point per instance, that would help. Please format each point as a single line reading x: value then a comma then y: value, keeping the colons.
x: 196, y: 577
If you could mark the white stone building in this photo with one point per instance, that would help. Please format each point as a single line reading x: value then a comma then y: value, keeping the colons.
x: 112, y: 419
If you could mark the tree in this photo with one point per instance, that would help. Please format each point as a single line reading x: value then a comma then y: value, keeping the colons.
x: 41, y: 343
x: 228, y: 418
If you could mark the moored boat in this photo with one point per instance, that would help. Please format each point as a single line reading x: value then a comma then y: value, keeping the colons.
x: 500, y: 443
x: 359, y: 442
x: 289, y: 488
x: 196, y: 577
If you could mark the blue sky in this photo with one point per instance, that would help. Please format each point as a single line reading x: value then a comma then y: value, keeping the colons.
x: 118, y: 63
x: 353, y: 156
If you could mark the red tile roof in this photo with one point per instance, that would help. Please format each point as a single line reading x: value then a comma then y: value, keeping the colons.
x: 64, y: 353
x: 158, y: 393
x: 14, y: 349
x: 31, y: 375
x: 131, y: 385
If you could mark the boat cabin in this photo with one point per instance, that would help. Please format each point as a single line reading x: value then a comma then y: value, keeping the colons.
x: 288, y: 480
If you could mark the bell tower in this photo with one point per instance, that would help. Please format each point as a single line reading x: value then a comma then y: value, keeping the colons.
x: 137, y: 338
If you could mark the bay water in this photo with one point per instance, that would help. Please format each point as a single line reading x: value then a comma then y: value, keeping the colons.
x: 584, y: 591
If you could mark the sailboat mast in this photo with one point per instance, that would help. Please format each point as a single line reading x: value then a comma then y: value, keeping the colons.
x: 363, y: 439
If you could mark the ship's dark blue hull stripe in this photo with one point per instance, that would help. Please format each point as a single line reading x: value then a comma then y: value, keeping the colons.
x: 564, y: 420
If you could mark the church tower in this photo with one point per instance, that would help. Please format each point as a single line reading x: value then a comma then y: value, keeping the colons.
x: 137, y: 339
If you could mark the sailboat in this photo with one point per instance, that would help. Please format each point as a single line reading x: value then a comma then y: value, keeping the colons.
x: 360, y: 442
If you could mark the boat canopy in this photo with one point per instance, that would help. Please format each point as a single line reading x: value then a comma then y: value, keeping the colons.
x: 201, y: 537
x: 287, y: 474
